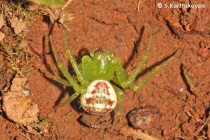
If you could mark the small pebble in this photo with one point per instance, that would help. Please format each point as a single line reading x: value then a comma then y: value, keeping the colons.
x: 144, y: 116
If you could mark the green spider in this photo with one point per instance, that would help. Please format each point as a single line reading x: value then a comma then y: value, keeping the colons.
x: 100, y: 77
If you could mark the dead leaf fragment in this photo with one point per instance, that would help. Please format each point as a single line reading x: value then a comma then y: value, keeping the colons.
x: 136, y: 134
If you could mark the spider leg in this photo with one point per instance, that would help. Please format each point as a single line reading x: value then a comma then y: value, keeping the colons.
x: 139, y: 67
x: 65, y: 72
x: 85, y: 67
x: 123, y: 79
x: 69, y: 100
x: 55, y: 78
x: 121, y: 74
x: 128, y: 81
x: 141, y: 84
x: 73, y: 61
x: 120, y: 101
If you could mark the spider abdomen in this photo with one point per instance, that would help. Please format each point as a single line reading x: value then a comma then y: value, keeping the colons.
x: 100, y: 98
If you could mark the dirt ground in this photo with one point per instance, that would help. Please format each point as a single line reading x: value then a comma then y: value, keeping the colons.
x: 180, y: 91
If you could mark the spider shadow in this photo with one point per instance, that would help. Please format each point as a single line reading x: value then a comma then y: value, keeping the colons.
x: 46, y: 43
x: 63, y: 88
x: 149, y: 69
x: 75, y: 103
x: 135, y: 48
x: 67, y: 89
x: 135, y: 52
x: 70, y: 90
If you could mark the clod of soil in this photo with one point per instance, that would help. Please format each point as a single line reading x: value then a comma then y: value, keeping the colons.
x: 32, y: 6
x: 19, y: 109
x: 17, y: 24
x: 1, y: 20
x: 2, y: 35
x: 16, y: 105
x: 19, y: 84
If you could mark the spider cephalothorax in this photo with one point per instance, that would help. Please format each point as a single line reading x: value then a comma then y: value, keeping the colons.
x: 100, y: 78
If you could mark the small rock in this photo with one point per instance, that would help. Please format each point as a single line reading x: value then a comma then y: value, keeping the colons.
x: 18, y: 108
x: 32, y: 6
x: 1, y: 20
x: 5, y: 29
x: 144, y: 116
x: 19, y: 83
x: 2, y: 35
x: 17, y: 24
x: 16, y: 105
x: 23, y: 44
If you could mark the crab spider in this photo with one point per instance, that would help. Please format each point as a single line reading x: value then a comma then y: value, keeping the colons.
x: 100, y: 78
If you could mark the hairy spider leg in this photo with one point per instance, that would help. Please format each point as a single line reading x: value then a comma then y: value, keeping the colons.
x: 123, y: 79
x: 128, y: 81
x: 120, y: 99
x: 65, y: 72
x: 121, y: 74
x: 63, y: 82
x: 55, y: 78
x: 120, y: 102
x: 85, y: 62
x: 73, y: 61
x: 152, y: 73
x: 69, y: 100
x: 140, y: 65
x: 92, y: 52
